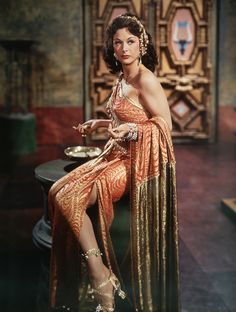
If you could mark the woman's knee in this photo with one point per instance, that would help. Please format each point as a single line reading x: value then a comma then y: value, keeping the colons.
x: 93, y: 196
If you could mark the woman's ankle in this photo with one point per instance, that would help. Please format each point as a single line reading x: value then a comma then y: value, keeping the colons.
x: 100, y: 275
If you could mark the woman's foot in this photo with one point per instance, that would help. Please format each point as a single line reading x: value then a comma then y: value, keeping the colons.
x: 103, y: 290
x: 105, y: 284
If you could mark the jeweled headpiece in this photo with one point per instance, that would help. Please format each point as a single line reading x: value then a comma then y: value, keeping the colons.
x: 143, y: 37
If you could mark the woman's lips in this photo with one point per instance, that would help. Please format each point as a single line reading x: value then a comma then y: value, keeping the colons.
x: 125, y: 56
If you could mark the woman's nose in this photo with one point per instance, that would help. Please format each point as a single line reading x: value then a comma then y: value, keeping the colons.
x: 124, y: 47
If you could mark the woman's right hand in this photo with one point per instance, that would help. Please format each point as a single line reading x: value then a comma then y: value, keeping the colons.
x: 88, y: 126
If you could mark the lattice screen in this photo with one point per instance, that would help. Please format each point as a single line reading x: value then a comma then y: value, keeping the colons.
x: 182, y: 33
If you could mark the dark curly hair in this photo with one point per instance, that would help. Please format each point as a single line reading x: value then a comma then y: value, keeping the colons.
x: 149, y: 59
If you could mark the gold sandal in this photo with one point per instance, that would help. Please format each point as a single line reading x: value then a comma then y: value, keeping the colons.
x: 111, y: 279
x: 99, y: 295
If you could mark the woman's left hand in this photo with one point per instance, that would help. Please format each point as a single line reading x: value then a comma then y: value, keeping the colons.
x: 119, y: 132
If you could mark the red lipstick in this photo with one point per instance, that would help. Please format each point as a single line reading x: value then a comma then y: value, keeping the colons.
x: 125, y: 56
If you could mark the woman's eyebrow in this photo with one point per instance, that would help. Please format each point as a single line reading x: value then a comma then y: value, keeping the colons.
x: 132, y: 37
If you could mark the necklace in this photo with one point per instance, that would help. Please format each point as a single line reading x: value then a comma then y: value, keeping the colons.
x: 129, y: 78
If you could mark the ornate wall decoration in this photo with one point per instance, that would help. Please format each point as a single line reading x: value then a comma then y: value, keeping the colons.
x: 183, y: 34
x: 182, y: 37
x: 181, y: 30
x: 101, y: 81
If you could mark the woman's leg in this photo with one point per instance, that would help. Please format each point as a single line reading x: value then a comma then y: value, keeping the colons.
x: 117, y: 178
x: 97, y: 270
x: 87, y: 241
x: 62, y: 196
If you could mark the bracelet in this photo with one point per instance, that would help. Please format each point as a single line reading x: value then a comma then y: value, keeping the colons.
x: 91, y: 252
x: 133, y: 132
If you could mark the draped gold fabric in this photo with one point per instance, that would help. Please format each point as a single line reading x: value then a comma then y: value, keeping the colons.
x: 154, y: 225
x: 145, y: 168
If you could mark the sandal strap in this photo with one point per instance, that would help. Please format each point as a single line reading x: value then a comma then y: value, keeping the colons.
x: 116, y: 288
x: 97, y: 292
x: 101, y: 308
x: 108, y: 280
x: 115, y: 283
x: 111, y: 279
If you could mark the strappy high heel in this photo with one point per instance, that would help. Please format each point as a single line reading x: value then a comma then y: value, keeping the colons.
x: 99, y: 295
x: 97, y: 291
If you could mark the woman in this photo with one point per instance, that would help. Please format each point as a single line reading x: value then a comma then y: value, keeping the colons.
x: 138, y: 159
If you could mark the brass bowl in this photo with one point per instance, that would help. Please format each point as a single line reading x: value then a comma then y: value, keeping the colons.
x: 81, y: 152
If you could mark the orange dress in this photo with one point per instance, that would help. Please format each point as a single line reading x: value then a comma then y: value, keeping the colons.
x: 146, y: 169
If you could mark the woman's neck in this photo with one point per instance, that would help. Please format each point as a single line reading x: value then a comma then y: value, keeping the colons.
x: 131, y: 71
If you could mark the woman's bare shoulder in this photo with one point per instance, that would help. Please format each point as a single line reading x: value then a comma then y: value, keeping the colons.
x: 147, y: 80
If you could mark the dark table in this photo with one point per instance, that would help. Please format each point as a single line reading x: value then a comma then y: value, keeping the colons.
x: 48, y: 173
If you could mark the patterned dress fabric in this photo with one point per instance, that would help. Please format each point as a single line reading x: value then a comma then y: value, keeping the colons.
x: 145, y: 169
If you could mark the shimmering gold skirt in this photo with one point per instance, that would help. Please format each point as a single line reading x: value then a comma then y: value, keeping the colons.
x: 147, y: 171
x: 68, y: 200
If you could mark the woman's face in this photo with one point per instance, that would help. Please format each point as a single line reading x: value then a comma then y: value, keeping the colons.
x: 126, y: 46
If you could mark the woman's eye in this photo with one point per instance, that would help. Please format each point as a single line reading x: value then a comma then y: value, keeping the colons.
x: 117, y: 42
x: 130, y: 41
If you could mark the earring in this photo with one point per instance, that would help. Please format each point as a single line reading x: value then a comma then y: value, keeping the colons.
x: 115, y: 59
x: 140, y: 59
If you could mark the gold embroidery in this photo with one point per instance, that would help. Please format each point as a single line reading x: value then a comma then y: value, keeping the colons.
x: 154, y: 220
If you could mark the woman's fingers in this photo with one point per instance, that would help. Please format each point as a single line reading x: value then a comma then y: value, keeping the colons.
x: 114, y: 131
x: 77, y: 128
x: 83, y: 129
x: 115, y: 134
x: 111, y: 131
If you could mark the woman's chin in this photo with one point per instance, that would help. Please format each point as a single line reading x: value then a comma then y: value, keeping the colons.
x: 126, y: 62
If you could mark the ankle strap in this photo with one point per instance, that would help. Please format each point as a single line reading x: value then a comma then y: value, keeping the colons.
x: 92, y: 252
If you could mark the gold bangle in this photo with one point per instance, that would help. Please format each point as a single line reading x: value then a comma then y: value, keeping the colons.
x: 92, y: 252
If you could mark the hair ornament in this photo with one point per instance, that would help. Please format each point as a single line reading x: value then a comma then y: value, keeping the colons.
x: 143, y: 36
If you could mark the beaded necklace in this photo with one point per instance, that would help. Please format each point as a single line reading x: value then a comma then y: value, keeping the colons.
x: 115, y: 120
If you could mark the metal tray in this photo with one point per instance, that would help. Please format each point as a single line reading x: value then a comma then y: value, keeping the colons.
x: 78, y: 152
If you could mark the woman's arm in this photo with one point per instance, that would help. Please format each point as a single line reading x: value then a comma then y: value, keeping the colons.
x: 97, y: 123
x: 91, y: 125
x: 153, y: 98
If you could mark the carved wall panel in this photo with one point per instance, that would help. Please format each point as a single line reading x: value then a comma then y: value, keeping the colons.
x: 183, y: 42
x: 181, y: 30
x: 101, y: 81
